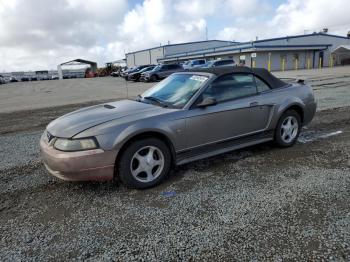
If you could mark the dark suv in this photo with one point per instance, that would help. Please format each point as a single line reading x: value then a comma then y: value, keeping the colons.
x: 134, y: 70
x: 160, y: 72
x: 220, y: 62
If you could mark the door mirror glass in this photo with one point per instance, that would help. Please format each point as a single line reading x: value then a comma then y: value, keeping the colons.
x: 208, y: 101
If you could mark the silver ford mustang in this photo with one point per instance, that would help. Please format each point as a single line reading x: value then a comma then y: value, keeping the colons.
x: 188, y: 116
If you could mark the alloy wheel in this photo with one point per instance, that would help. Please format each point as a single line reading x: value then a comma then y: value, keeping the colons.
x: 289, y: 129
x: 147, y: 164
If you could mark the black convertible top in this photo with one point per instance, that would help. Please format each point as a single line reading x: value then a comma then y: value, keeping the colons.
x: 262, y: 73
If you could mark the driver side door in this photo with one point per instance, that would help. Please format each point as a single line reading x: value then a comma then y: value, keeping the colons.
x: 238, y: 112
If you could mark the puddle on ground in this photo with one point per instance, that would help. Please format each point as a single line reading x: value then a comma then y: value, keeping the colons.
x: 310, y: 136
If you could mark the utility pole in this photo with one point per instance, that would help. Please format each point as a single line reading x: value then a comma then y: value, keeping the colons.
x: 206, y: 33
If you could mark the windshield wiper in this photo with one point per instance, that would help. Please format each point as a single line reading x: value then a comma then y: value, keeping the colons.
x: 157, y: 100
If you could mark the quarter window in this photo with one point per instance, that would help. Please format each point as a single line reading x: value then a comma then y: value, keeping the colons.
x: 261, y: 85
x: 232, y: 86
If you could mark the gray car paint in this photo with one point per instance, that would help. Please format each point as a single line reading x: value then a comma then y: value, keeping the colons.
x: 189, y: 127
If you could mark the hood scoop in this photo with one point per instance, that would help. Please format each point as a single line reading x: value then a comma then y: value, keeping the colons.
x: 109, y: 106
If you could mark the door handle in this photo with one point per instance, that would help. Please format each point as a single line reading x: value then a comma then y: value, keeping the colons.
x: 254, y: 104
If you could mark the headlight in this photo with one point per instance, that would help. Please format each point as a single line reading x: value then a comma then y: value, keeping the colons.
x: 75, y: 144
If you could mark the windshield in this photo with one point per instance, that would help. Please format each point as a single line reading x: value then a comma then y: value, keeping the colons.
x: 210, y: 63
x: 157, y: 68
x: 176, y: 90
x: 147, y: 69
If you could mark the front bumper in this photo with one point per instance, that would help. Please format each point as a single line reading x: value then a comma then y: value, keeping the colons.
x: 309, y: 112
x: 145, y: 78
x: 90, y: 165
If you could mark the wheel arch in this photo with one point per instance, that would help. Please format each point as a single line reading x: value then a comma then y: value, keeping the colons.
x: 297, y: 108
x: 146, y: 134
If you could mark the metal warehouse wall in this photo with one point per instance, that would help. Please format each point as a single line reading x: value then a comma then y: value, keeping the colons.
x: 130, y: 60
x: 183, y: 48
x: 316, y: 39
x: 290, y: 62
x: 155, y: 54
x: 144, y: 57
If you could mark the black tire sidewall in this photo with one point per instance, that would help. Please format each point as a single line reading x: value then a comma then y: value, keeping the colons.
x: 154, y: 78
x: 123, y: 165
x: 278, y: 139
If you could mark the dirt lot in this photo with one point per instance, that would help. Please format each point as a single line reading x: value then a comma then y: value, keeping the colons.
x: 260, y: 203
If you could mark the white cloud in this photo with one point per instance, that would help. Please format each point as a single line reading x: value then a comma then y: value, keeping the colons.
x: 39, y: 34
x: 157, y: 22
x: 293, y: 17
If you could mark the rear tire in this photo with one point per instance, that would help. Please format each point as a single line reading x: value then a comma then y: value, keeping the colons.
x: 288, y: 129
x: 154, y: 78
x: 144, y: 163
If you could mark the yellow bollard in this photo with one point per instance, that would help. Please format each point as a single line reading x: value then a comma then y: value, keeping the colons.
x: 296, y: 64
x: 253, y: 63
x: 320, y: 62
x: 308, y: 63
x: 269, y: 64
x: 330, y: 61
x: 283, y: 64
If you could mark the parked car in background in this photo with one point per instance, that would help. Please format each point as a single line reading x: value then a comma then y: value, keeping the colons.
x: 160, y: 72
x: 2, y: 80
x: 134, y: 70
x: 54, y: 77
x: 34, y: 78
x: 116, y: 73
x: 193, y: 63
x: 220, y: 62
x: 13, y: 79
x: 125, y: 71
x: 43, y: 77
x: 189, y: 116
x: 135, y: 76
x: 25, y: 78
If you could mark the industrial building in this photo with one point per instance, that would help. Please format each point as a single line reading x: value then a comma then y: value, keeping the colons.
x: 156, y: 54
x: 314, y: 50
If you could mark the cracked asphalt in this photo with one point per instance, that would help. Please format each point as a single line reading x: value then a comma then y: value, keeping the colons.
x: 258, y: 203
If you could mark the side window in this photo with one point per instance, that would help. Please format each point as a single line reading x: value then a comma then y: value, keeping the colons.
x: 173, y: 67
x: 231, y: 86
x: 261, y: 85
x: 164, y: 67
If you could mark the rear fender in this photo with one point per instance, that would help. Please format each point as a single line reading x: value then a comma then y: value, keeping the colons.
x: 283, y: 107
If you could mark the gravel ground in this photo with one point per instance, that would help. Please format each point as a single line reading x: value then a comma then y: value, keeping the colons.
x: 260, y: 203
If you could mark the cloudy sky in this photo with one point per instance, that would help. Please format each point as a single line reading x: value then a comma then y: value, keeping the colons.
x: 39, y: 34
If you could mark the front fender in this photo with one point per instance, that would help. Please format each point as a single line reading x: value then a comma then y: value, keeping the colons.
x: 136, y: 130
x: 172, y: 129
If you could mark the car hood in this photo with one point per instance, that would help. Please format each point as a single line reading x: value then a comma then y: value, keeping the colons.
x: 134, y: 73
x: 74, y: 123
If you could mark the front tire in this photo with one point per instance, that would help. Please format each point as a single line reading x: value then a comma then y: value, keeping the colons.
x: 154, y: 78
x: 288, y: 129
x: 144, y: 163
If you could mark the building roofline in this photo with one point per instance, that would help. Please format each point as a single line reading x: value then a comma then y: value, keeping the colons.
x: 239, y: 45
x: 186, y: 43
x: 299, y: 36
x: 246, y: 47
x: 256, y: 48
x: 252, y: 43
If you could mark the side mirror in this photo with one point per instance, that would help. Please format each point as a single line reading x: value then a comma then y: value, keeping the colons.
x: 208, y: 101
